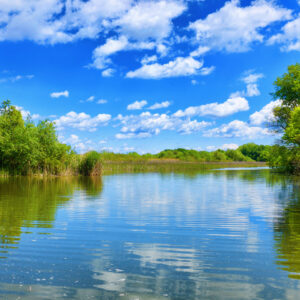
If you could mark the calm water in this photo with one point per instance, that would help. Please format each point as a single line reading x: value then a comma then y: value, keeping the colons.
x: 227, y: 234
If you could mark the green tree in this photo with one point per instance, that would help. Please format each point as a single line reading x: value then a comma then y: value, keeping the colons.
x: 287, y: 88
x: 287, y: 121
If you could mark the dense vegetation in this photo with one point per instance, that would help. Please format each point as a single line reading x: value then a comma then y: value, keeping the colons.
x: 245, y: 153
x: 26, y: 148
x: 286, y: 154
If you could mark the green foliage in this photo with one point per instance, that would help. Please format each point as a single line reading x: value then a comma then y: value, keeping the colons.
x: 28, y: 148
x: 292, y: 131
x: 287, y: 87
x: 184, y: 155
x: 237, y: 155
x: 255, y: 152
x: 90, y: 164
x: 287, y: 120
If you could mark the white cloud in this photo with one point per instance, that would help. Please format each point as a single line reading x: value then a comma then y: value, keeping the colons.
x: 147, y: 125
x: 163, y: 104
x: 101, y: 54
x: 252, y: 90
x: 148, y: 59
x: 194, y: 82
x: 181, y: 66
x: 265, y: 115
x: 252, y: 78
x: 78, y: 144
x: 111, y: 46
x: 60, y: 94
x: 238, y: 129
x: 16, y: 78
x: 150, y: 19
x: 26, y: 113
x: 200, y: 51
x: 90, y: 99
x: 57, y: 21
x: 122, y: 136
x: 251, y: 81
x: 137, y: 105
x: 234, y: 28
x: 108, y: 72
x: 251, y: 85
x: 101, y: 101
x: 223, y: 147
x: 229, y: 107
x: 229, y: 146
x: 73, y: 139
x: 188, y: 127
x: 206, y: 71
x: 81, y: 121
x: 290, y: 36
x: 211, y: 148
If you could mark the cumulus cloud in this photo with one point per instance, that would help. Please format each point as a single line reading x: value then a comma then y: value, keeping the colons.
x: 57, y: 21
x: 265, y: 115
x: 252, y: 78
x: 251, y: 81
x: 143, y: 26
x: 147, y: 125
x: 108, y: 72
x: 137, y: 105
x: 181, y: 66
x: 289, y: 37
x: 101, y: 59
x: 148, y: 59
x: 229, y: 107
x: 163, y: 104
x: 200, y: 51
x: 81, y: 121
x: 238, y: 129
x: 150, y: 19
x: 60, y: 94
x: 78, y: 144
x: 234, y: 28
x: 188, y: 127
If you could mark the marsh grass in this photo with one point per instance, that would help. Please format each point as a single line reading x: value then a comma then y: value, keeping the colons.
x: 169, y: 165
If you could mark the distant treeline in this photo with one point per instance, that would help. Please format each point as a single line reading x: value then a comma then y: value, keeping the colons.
x: 245, y: 153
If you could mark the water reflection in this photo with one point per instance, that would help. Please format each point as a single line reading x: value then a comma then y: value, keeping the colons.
x: 151, y: 236
x: 33, y: 202
x: 287, y: 233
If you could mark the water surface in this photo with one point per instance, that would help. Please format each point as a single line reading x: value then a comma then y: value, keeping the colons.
x: 223, y: 234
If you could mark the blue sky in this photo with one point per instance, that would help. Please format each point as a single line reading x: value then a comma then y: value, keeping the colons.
x: 131, y: 75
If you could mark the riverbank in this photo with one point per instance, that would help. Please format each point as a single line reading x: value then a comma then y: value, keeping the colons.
x: 151, y: 165
x: 170, y: 165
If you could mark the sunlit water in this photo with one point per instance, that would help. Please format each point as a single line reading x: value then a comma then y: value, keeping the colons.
x: 222, y: 234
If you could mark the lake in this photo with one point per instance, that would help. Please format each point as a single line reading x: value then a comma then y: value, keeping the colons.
x: 219, y: 234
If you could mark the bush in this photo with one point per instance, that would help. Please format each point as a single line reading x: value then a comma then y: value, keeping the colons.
x: 90, y: 164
